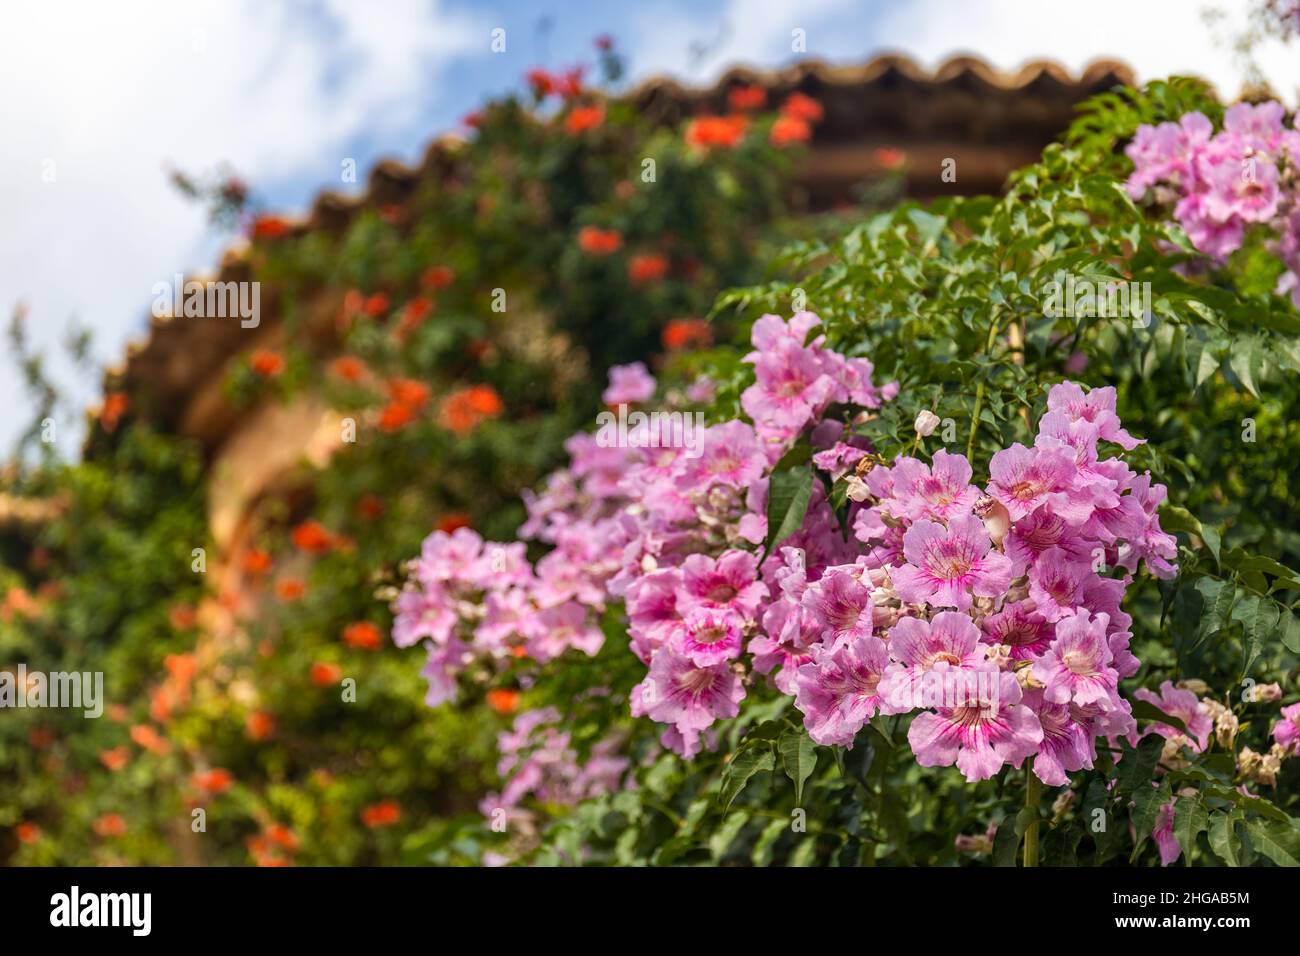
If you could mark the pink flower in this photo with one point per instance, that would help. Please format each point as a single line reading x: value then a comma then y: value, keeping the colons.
x: 556, y: 629
x: 1067, y: 743
x: 1076, y: 668
x: 708, y: 636
x: 1024, y: 478
x: 979, y: 737
x: 677, y: 692
x: 1026, y: 632
x: 1163, y: 834
x: 940, y: 491
x: 1187, y: 707
x: 945, y: 565
x: 1257, y: 126
x: 651, y: 603
x: 841, y: 605
x: 1245, y: 188
x: 728, y: 582
x: 423, y: 612
x: 730, y: 455
x: 1286, y: 732
x: 926, y: 655
x: 837, y: 690
x: 628, y: 384
x: 1097, y: 407
x: 1055, y: 584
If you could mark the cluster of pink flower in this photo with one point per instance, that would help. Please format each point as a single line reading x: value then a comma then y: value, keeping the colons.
x: 537, y: 759
x: 1222, y: 183
x: 995, y: 612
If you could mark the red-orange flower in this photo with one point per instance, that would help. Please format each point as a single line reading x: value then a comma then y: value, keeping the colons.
x: 115, y: 406
x: 259, y: 725
x: 370, y: 506
x: 413, y: 313
x: 723, y: 131
x: 269, y: 227
x: 649, y: 267
x: 182, y: 616
x: 348, y: 368
x: 747, y: 98
x: 409, y: 392
x: 363, y: 635
x: 890, y: 158
x: 465, y: 409
x: 382, y: 814
x: 266, y: 363
x: 790, y: 129
x: 116, y: 758
x: 27, y: 832
x: 375, y: 305
x: 108, y: 825
x: 182, y: 667
x: 451, y: 522
x: 313, y: 537
x: 257, y: 561
x: 41, y: 737
x: 282, y: 836
x: 438, y: 277
x: 145, y: 736
x: 325, y: 675
x: 395, y: 415
x: 599, y: 242
x: 503, y: 700
x: 290, y: 589
x: 216, y: 780
x: 679, y: 333
x: 583, y: 118
x: 804, y: 107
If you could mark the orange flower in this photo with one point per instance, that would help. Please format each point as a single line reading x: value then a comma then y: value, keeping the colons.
x: 257, y: 561
x: 890, y: 158
x: 269, y: 227
x: 282, y: 836
x: 802, y: 106
x: 375, y: 305
x: 115, y: 759
x: 118, y: 713
x: 348, y: 368
x: 647, y: 268
x: 27, y: 832
x: 41, y: 737
x: 395, y: 415
x: 409, y: 392
x: 311, y: 536
x: 260, y: 725
x: 266, y: 363
x: 679, y: 333
x: 145, y: 736
x: 290, y: 589
x: 363, y: 635
x: 325, y: 675
x: 413, y: 314
x: 162, y: 703
x: 370, y: 506
x: 599, y: 242
x: 790, y: 129
x: 182, y: 616
x: 115, y: 406
x: 709, y: 131
x: 503, y: 700
x: 463, y: 410
x: 583, y: 118
x: 216, y: 780
x: 451, y: 522
x: 747, y: 98
x: 437, y: 277
x: 182, y: 667
x: 382, y: 814
x: 108, y: 825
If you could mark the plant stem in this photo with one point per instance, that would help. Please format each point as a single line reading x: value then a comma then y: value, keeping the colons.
x: 979, y: 394
x: 1033, y: 793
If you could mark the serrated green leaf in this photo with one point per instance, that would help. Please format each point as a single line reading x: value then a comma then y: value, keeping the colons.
x: 746, y: 762
x: 798, y: 757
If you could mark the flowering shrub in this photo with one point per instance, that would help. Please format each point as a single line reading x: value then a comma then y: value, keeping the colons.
x: 820, y: 589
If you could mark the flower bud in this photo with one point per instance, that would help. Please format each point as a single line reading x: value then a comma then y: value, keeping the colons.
x: 926, y: 422
x: 1267, y: 693
x: 996, y: 518
x: 1195, y: 685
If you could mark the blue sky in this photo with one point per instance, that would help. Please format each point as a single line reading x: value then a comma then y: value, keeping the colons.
x: 99, y: 97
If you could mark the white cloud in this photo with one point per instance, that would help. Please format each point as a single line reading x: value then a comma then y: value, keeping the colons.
x: 110, y: 92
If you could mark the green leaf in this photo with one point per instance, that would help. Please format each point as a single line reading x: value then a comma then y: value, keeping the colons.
x: 1146, y: 808
x: 1190, y: 819
x: 1223, y: 837
x: 746, y: 762
x: 799, y: 757
x: 1278, y: 841
x: 1258, y: 617
x: 1138, y: 766
x: 788, y: 495
x: 1006, y: 843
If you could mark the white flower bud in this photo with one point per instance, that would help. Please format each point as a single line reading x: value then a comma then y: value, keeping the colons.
x: 926, y: 422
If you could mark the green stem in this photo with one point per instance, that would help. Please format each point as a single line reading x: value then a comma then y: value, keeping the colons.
x: 979, y: 394
x: 1033, y: 793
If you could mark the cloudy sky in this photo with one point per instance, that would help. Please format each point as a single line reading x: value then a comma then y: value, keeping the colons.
x: 101, y: 98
